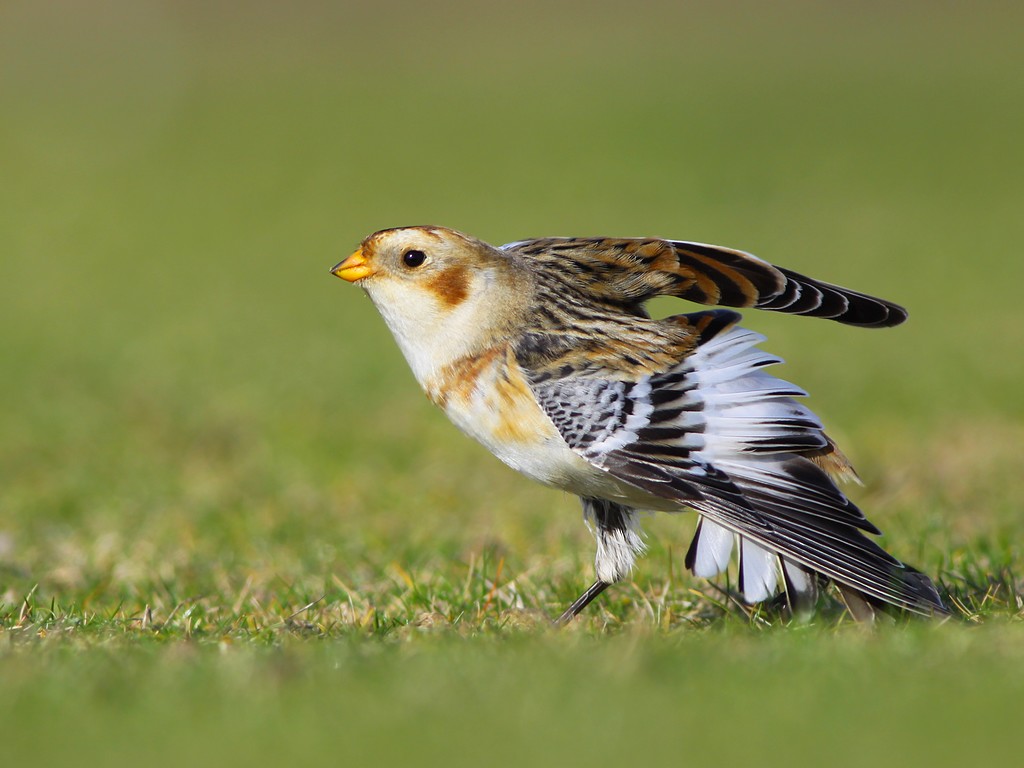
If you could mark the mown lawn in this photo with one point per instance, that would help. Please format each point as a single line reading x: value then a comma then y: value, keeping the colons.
x: 233, y: 531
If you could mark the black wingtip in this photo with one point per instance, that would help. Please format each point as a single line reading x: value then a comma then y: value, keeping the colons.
x: 804, y: 296
x: 869, y: 312
x: 929, y: 600
x: 917, y: 594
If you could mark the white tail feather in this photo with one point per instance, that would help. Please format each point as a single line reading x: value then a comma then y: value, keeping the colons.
x: 799, y: 578
x: 758, y: 573
x: 714, y: 549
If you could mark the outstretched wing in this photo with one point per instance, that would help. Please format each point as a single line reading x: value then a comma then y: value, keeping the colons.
x: 720, y: 435
x: 633, y: 270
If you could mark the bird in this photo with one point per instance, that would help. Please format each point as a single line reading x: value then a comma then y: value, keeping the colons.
x: 542, y: 350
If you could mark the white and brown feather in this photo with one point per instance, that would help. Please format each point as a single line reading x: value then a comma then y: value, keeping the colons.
x: 542, y: 350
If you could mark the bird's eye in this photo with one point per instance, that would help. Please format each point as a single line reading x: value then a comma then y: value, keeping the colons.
x: 413, y: 258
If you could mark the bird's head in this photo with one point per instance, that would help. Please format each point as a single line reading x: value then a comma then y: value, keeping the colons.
x: 443, y: 294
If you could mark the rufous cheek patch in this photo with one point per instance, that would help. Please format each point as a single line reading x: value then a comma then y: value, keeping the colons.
x: 451, y: 285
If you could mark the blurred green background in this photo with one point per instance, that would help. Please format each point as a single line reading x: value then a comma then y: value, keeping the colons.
x: 202, y: 431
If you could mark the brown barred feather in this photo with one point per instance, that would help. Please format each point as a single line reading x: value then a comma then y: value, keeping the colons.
x: 630, y: 271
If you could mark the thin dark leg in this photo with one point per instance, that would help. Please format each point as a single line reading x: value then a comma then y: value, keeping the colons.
x: 582, y: 602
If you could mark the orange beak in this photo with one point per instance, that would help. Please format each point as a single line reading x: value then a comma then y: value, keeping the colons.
x: 354, y: 268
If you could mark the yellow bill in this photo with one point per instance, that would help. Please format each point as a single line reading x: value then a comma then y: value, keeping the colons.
x: 354, y: 268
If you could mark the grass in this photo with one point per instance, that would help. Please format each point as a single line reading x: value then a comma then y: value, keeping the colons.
x: 232, y: 530
x: 850, y: 699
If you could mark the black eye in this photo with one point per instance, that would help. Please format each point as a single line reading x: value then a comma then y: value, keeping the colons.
x: 413, y: 258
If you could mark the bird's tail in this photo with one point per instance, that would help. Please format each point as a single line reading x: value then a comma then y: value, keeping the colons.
x: 792, y: 522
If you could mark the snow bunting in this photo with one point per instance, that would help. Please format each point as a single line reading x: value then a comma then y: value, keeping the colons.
x: 542, y: 351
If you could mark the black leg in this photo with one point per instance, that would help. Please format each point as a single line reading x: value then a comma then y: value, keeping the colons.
x: 581, y: 602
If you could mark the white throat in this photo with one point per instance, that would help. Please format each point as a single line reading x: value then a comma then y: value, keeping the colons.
x: 430, y: 334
